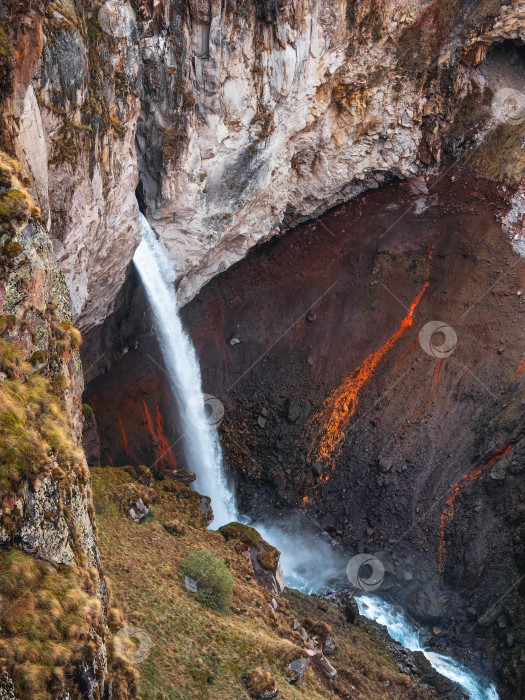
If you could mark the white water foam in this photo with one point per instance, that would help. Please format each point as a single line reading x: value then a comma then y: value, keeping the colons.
x: 199, y: 435
x: 405, y: 633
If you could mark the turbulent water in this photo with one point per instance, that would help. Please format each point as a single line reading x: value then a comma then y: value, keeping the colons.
x: 199, y: 436
x: 406, y: 634
x: 309, y: 561
x: 311, y: 565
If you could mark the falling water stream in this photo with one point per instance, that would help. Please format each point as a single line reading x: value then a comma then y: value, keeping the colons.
x: 198, y: 434
x: 308, y: 562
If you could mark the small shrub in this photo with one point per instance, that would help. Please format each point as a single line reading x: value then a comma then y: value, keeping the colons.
x: 7, y: 323
x: 87, y: 411
x: 260, y: 683
x: 214, y: 580
x: 175, y: 527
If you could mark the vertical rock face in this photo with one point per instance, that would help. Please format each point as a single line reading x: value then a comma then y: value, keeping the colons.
x: 241, y: 118
x: 83, y: 118
x: 53, y: 595
x: 257, y: 115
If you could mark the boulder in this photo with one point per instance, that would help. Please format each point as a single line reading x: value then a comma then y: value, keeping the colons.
x: 265, y: 559
x: 296, y: 670
x: 351, y: 610
x: 323, y: 664
x: 206, y: 509
x: 138, y: 510
x: 293, y: 411
x: 446, y: 688
x: 323, y: 633
x: 183, y: 476
x: 424, y: 606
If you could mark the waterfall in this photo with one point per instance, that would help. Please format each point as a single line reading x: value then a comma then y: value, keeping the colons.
x: 199, y: 434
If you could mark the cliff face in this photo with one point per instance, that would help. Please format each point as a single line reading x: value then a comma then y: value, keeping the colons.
x: 246, y: 118
x: 77, y: 136
x: 54, y: 599
x: 258, y: 115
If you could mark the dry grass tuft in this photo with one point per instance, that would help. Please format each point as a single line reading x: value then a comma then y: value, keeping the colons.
x: 35, y: 432
x: 46, y: 616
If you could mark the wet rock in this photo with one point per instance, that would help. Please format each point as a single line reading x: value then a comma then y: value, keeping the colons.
x: 424, y: 606
x: 427, y: 674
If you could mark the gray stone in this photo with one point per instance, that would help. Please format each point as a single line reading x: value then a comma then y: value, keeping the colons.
x: 293, y: 411
x: 296, y: 670
x: 190, y: 584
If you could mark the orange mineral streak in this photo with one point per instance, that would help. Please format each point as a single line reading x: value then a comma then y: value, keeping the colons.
x: 436, y: 378
x: 457, y: 489
x: 327, y: 427
x: 164, y: 446
x: 124, y: 438
x: 521, y: 368
x: 164, y: 457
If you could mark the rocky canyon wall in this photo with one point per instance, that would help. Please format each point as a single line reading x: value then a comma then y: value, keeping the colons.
x: 237, y: 119
x: 54, y: 598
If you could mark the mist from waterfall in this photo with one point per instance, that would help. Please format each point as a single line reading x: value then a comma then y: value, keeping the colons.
x: 198, y: 425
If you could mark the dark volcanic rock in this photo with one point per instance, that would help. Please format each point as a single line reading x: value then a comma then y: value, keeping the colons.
x: 424, y: 606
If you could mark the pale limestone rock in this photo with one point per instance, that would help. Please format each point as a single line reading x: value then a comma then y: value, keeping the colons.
x: 32, y: 151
